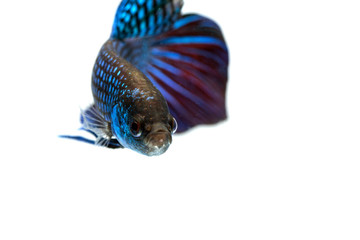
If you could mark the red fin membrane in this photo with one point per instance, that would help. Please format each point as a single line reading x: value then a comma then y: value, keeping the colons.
x: 189, y: 66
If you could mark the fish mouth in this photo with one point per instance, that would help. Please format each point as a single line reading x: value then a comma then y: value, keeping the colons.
x: 158, y: 142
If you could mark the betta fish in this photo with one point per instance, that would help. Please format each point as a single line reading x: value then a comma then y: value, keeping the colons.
x: 160, y: 71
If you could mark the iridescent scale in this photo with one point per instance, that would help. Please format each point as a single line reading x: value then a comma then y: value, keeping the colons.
x: 109, y: 80
x: 115, y: 81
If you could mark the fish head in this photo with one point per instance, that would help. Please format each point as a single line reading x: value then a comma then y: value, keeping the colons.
x: 146, y: 130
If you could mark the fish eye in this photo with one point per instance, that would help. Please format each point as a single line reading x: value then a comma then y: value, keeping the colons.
x: 173, y: 125
x: 135, y: 129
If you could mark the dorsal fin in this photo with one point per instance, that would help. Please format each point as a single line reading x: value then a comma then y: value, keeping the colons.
x: 139, y: 18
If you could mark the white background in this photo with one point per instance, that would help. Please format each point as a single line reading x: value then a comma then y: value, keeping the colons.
x: 285, y: 165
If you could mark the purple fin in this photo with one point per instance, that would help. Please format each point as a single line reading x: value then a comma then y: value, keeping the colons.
x: 189, y: 66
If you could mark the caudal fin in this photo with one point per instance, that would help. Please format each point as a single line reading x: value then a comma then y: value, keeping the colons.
x: 185, y: 56
x: 189, y: 65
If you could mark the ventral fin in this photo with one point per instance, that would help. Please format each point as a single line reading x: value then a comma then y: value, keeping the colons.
x: 93, y: 122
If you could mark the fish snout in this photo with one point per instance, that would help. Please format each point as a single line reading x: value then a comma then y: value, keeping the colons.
x: 158, y: 141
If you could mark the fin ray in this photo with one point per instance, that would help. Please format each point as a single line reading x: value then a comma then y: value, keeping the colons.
x: 167, y: 75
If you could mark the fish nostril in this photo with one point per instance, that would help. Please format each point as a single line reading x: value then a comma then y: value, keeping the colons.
x: 159, y: 142
x: 159, y: 139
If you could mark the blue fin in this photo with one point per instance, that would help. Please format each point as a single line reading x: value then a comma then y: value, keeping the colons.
x: 113, y: 143
x: 138, y: 18
x: 189, y: 65
x: 78, y: 138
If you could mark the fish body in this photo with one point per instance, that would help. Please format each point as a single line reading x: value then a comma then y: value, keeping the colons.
x: 128, y: 105
x: 159, y: 71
